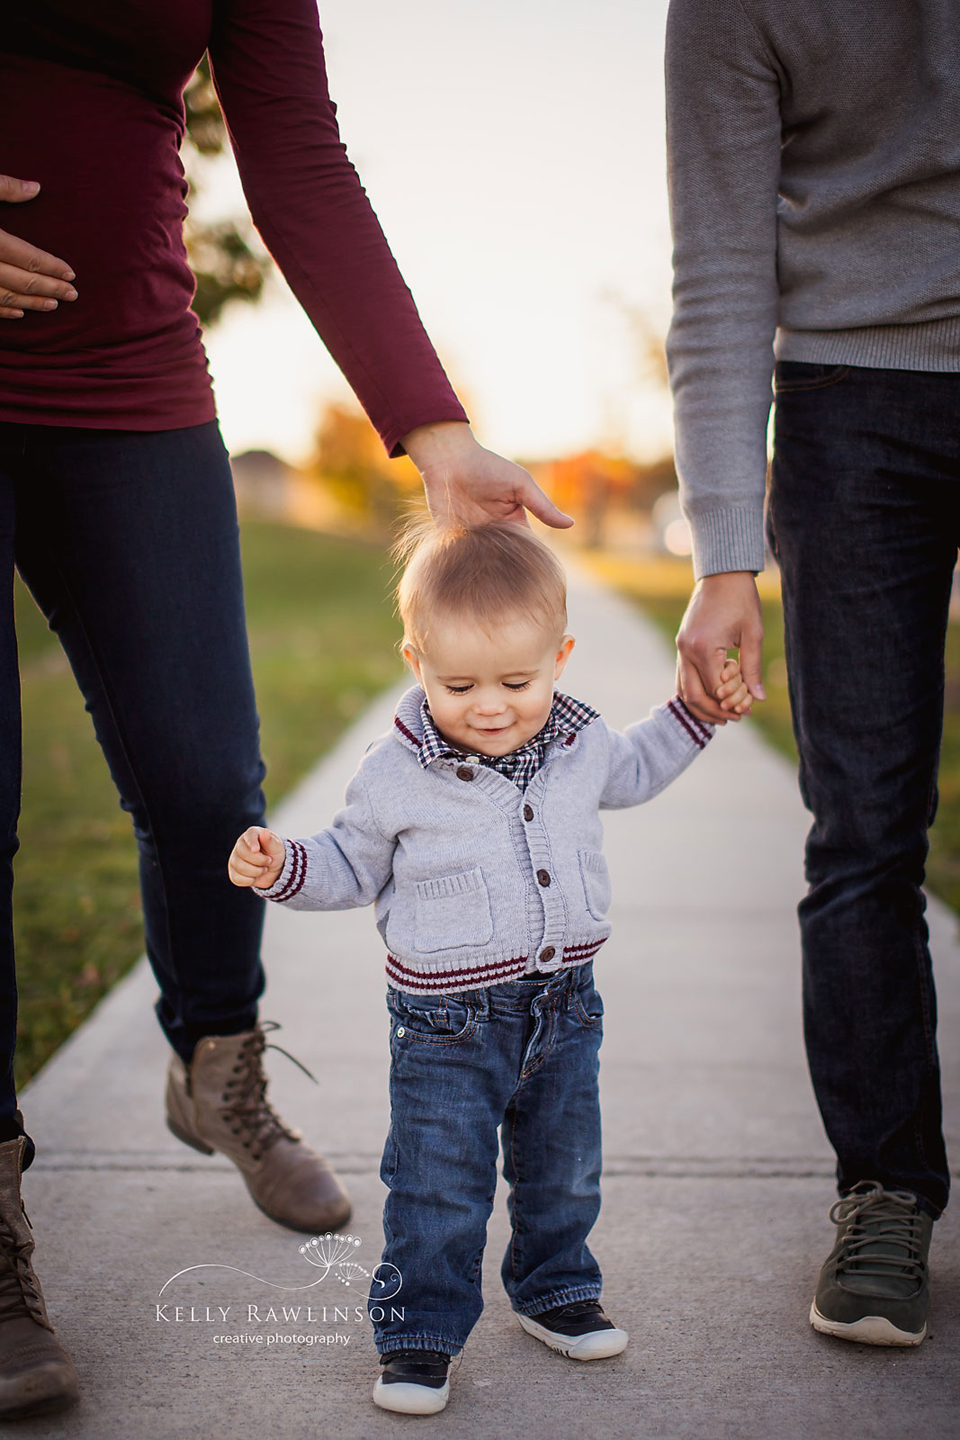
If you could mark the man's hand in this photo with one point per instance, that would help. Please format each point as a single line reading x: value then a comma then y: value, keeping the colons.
x: 723, y: 614
x: 257, y: 858
x: 30, y: 279
x: 464, y: 481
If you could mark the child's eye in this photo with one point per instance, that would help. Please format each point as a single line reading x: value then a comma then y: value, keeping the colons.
x: 458, y: 689
x: 520, y: 685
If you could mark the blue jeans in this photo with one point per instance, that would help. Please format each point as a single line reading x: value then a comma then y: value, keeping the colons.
x: 523, y: 1056
x: 864, y: 519
x: 129, y: 544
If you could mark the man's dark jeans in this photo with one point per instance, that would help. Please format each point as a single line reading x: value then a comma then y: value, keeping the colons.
x: 129, y: 543
x: 863, y: 519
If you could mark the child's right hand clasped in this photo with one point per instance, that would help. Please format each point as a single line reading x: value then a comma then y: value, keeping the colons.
x: 257, y: 858
x: 732, y: 691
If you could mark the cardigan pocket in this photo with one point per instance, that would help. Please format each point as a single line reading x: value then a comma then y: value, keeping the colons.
x: 453, y: 911
x: 596, y: 883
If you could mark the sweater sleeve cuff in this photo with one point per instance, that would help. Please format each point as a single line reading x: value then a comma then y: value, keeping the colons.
x: 290, y: 880
x: 699, y: 731
x: 400, y: 425
x: 730, y: 539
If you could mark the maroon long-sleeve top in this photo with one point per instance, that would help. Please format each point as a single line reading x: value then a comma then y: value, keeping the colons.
x: 92, y: 107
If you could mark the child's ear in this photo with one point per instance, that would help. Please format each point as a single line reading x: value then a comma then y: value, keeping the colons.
x: 413, y: 660
x: 563, y: 655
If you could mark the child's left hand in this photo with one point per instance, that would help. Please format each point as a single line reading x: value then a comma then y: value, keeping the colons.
x: 732, y: 691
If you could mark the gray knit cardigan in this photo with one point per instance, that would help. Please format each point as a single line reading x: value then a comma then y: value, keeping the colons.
x: 474, y: 881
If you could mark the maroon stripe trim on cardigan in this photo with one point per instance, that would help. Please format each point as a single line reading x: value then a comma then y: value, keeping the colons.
x: 298, y: 873
x: 577, y: 957
x: 409, y: 733
x: 698, y: 725
x: 680, y: 713
x: 417, y: 980
x: 501, y: 970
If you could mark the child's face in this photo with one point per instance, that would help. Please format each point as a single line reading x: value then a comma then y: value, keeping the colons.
x: 490, y: 693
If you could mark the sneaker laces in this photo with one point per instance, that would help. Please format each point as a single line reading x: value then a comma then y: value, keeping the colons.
x: 425, y: 1359
x: 20, y: 1292
x: 574, y: 1310
x: 872, y: 1216
x: 249, y: 1107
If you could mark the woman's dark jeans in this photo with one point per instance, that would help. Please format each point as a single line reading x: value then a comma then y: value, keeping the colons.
x: 863, y: 520
x: 129, y: 543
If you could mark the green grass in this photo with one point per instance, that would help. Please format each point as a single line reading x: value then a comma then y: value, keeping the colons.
x: 323, y: 641
x: 773, y: 720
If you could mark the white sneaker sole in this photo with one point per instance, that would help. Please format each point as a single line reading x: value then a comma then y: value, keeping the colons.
x: 870, y: 1330
x: 405, y: 1398
x: 595, y: 1345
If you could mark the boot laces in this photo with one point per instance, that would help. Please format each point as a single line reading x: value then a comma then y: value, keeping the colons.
x: 871, y: 1216
x: 249, y: 1107
x: 20, y: 1292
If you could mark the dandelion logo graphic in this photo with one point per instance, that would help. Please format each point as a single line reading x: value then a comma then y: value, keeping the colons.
x: 332, y: 1252
x: 326, y: 1253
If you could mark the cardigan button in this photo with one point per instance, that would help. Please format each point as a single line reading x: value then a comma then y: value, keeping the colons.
x: 464, y: 772
x: 528, y: 812
x: 547, y: 954
x: 544, y: 877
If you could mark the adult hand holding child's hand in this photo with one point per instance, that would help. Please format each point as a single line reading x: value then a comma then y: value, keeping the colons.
x: 257, y: 858
x: 723, y: 614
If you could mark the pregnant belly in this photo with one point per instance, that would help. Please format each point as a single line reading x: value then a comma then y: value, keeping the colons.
x: 111, y: 205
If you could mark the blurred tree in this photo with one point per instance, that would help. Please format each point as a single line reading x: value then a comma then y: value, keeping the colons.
x: 226, y: 266
x: 597, y: 488
x: 371, y: 490
x: 650, y: 481
x: 647, y: 338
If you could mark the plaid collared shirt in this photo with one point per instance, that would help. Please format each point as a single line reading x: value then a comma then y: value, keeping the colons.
x: 566, y: 717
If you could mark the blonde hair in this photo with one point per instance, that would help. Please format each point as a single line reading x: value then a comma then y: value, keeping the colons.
x: 486, y: 573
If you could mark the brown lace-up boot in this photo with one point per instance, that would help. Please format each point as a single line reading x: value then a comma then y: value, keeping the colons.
x: 36, y: 1373
x: 219, y: 1103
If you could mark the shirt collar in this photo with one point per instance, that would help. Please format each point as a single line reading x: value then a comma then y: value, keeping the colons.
x: 566, y: 717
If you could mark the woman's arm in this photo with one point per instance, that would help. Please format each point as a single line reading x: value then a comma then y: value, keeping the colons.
x: 308, y: 204
x: 307, y: 201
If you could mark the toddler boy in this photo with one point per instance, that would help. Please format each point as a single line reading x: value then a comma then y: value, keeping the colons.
x: 474, y: 827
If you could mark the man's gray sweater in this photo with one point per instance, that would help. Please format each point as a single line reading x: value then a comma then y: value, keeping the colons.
x: 814, y: 165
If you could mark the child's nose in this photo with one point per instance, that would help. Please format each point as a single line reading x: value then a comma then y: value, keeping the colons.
x: 490, y: 705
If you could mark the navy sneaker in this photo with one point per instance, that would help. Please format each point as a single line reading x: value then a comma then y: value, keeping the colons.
x: 579, y: 1330
x: 413, y: 1382
x: 875, y: 1286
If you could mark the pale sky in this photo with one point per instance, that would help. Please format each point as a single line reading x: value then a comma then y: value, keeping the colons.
x: 514, y: 152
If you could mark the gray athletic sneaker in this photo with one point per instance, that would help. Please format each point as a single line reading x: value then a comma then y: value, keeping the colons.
x: 875, y: 1286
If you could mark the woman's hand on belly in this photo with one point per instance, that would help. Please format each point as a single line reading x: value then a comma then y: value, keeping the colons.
x: 30, y: 279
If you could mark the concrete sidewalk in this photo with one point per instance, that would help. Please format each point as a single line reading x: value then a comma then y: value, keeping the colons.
x: 717, y: 1174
